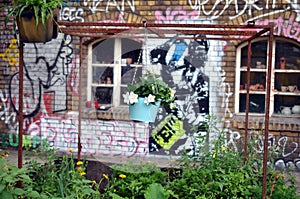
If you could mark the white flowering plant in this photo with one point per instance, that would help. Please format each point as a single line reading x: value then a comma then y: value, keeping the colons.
x: 152, y: 88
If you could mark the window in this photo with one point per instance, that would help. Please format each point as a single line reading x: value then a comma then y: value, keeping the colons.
x: 112, y: 64
x: 285, y: 77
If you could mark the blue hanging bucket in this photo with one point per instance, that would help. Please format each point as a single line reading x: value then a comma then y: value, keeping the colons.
x: 140, y: 111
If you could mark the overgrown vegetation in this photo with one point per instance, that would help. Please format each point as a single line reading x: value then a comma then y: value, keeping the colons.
x: 216, y: 171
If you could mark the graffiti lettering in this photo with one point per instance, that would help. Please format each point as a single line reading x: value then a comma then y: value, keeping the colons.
x: 72, y: 14
x: 290, y: 28
x: 101, y: 6
x: 204, y: 7
x: 174, y: 15
x: 12, y: 140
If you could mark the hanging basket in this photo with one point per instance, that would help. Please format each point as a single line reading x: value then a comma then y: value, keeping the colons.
x: 32, y: 33
x: 142, y: 112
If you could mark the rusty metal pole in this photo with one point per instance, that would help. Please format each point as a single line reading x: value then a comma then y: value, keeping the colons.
x: 80, y: 100
x: 247, y: 100
x: 267, y: 115
x: 20, y: 110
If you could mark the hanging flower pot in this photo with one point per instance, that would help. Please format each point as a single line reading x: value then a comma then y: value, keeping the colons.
x: 35, y: 19
x: 145, y: 97
x: 34, y: 32
x: 141, y: 111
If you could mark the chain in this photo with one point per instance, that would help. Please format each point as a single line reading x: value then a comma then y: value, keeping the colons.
x: 139, y: 58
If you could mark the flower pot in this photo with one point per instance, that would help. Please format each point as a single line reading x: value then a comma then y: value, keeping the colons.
x: 32, y: 33
x: 142, y: 112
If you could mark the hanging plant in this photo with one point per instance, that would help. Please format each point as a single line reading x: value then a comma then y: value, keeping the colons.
x: 34, y: 16
x: 145, y: 97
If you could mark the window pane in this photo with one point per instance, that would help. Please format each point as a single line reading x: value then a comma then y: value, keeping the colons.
x: 132, y: 49
x: 128, y: 73
x: 259, y: 54
x: 102, y: 75
x: 102, y: 95
x: 256, y: 104
x: 103, y: 52
x: 287, y: 54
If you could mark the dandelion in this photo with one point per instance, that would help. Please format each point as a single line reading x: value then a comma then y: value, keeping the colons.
x: 79, y: 163
x: 122, y: 176
x: 223, y: 148
x: 115, y: 190
x: 79, y: 169
x: 105, y: 176
x: 70, y: 150
x: 94, y: 182
x: 82, y: 173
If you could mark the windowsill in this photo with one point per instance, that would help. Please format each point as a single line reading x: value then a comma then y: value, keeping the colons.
x: 114, y: 113
x: 277, y: 122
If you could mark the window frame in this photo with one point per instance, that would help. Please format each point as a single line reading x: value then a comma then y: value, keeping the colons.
x: 274, y: 70
x: 117, y: 65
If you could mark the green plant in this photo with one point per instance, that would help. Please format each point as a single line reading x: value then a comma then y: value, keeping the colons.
x: 150, y: 87
x: 60, y: 177
x: 131, y: 180
x: 216, y: 171
x: 42, y: 9
x: 11, y: 177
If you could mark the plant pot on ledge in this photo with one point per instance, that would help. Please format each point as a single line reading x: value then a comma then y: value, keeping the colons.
x: 30, y: 32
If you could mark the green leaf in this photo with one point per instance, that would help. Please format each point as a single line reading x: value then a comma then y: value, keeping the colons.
x: 6, y: 195
x: 2, y: 187
x: 33, y: 194
x: 115, y: 196
x: 155, y: 191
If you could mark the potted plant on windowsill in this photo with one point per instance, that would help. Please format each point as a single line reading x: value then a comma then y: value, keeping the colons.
x: 36, y: 19
x: 145, y: 97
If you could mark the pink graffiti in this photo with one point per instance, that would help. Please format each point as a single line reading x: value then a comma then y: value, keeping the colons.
x: 284, y: 28
x: 173, y: 16
x: 113, y: 138
x: 73, y: 79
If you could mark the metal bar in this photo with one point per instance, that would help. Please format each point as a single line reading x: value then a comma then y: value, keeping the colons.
x: 149, y: 24
x: 164, y: 31
x: 80, y: 100
x: 247, y: 100
x: 267, y: 115
x: 20, y: 109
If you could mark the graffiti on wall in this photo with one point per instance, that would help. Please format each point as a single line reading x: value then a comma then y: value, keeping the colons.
x: 182, y: 63
x: 113, y: 138
x: 239, y: 8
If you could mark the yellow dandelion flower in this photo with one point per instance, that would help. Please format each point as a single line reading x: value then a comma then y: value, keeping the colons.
x: 94, y: 182
x: 105, y: 176
x: 115, y: 190
x: 223, y: 148
x: 82, y: 173
x: 79, y: 169
x: 122, y: 176
x: 70, y: 150
x: 79, y: 163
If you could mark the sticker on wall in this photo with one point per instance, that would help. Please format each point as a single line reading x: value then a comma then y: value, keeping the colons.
x: 168, y: 132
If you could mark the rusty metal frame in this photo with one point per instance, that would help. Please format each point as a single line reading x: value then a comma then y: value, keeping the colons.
x: 241, y: 33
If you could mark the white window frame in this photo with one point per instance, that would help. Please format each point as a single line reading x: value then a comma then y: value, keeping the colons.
x: 273, y: 71
x: 117, y: 67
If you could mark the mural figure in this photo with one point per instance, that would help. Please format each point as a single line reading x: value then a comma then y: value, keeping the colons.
x: 183, y: 65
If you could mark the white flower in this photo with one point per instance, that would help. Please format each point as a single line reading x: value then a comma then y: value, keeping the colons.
x: 133, y: 98
x: 126, y: 97
x: 149, y: 99
x: 172, y: 92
